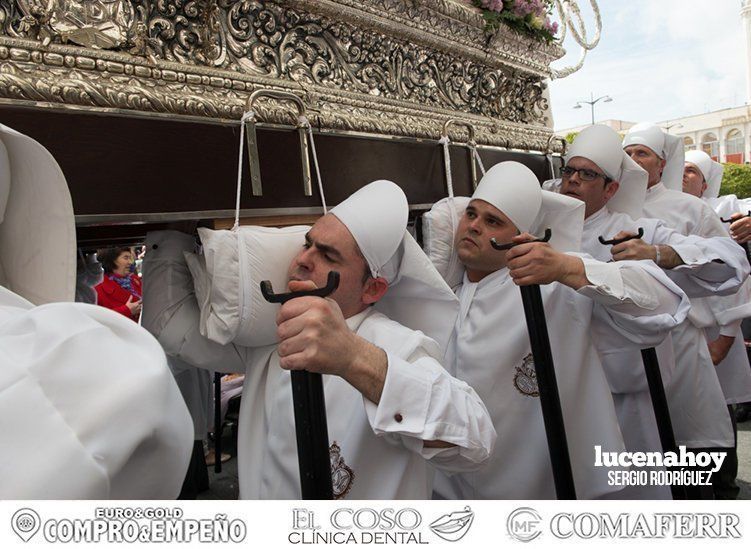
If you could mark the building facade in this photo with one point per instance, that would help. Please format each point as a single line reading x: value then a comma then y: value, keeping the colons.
x: 725, y: 134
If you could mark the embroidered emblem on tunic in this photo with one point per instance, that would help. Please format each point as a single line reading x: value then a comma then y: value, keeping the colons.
x: 525, y: 378
x: 342, y: 476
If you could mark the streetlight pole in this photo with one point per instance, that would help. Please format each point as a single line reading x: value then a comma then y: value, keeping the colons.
x: 592, y: 102
x: 667, y: 127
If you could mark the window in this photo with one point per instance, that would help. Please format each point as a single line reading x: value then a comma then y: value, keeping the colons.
x: 734, y: 146
x: 711, y: 145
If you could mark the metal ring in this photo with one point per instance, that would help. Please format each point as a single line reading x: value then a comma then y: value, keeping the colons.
x: 563, y: 141
x: 277, y: 94
x: 464, y: 123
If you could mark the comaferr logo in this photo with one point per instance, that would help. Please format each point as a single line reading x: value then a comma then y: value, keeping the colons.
x: 646, y: 526
x: 524, y: 524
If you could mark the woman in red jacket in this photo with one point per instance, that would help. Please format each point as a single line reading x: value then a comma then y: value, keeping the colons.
x: 120, y: 290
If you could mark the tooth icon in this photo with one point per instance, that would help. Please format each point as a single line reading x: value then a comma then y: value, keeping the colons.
x: 25, y: 523
x: 454, y: 526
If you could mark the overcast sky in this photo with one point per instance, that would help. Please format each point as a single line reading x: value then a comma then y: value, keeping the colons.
x: 657, y: 59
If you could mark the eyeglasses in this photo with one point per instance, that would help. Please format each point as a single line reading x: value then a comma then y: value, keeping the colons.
x: 584, y: 174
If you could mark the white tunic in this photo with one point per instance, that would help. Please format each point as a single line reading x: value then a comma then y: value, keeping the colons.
x: 711, y: 265
x: 491, y: 351
x: 726, y: 205
x: 88, y: 407
x: 734, y: 371
x: 195, y: 385
x: 683, y: 212
x: 381, y: 444
x: 697, y: 406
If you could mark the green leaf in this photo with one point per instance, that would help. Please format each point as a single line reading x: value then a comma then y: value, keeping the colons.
x: 736, y: 179
x: 522, y: 25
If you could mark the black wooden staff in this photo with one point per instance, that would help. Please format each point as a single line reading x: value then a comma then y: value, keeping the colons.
x: 745, y: 244
x: 550, y: 400
x: 310, y: 410
x: 656, y: 387
x: 661, y: 410
x: 217, y: 422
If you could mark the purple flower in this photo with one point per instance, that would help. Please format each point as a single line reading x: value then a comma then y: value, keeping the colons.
x: 524, y: 8
x: 493, y: 5
x: 551, y: 26
x: 527, y: 15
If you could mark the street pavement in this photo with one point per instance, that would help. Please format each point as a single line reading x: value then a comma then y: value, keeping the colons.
x: 744, y: 459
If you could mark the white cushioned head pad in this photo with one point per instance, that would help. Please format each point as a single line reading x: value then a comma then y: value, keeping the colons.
x: 236, y: 262
x: 438, y: 229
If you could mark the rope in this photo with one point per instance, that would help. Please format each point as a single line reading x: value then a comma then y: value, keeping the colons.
x: 445, y: 141
x: 571, y: 17
x: 580, y: 36
x: 248, y: 115
x: 476, y: 156
x: 306, y: 124
x: 551, y: 165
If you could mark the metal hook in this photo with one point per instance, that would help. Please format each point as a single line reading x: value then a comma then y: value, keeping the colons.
x: 553, y: 137
x: 615, y: 241
x: 302, y: 126
x: 745, y: 244
x: 471, y: 143
x: 509, y: 245
x: 731, y: 220
x: 332, y: 284
x: 276, y: 94
x: 456, y: 122
x: 549, y: 152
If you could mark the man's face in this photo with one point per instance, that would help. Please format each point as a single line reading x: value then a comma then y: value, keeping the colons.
x: 481, y: 222
x: 329, y: 246
x: 693, y: 180
x: 648, y: 160
x: 590, y: 184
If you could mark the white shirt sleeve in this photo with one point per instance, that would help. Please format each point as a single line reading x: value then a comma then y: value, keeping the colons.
x: 635, y: 299
x: 725, y: 312
x: 744, y: 205
x: 421, y: 401
x: 170, y: 310
x: 712, y: 266
x: 732, y: 329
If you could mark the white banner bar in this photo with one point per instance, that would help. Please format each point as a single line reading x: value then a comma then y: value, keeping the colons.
x: 272, y: 524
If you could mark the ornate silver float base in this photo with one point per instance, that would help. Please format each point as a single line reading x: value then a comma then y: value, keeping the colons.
x: 385, y: 67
